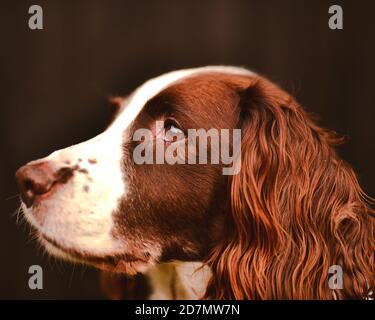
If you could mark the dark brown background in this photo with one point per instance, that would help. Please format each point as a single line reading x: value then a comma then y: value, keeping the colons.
x: 54, y: 84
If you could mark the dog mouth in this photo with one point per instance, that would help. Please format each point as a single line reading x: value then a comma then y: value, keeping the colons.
x: 118, y: 263
x: 121, y: 260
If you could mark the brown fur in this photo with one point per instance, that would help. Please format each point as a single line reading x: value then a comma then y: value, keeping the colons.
x: 296, y: 209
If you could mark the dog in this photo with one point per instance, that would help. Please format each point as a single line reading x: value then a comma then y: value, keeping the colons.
x: 272, y: 230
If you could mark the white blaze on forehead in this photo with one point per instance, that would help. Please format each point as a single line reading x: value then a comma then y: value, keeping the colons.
x: 154, y: 86
x: 81, y: 219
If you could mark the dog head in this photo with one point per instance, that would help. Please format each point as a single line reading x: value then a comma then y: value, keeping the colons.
x: 92, y: 202
x: 270, y: 230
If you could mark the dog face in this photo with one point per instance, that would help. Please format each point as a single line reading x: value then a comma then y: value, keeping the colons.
x: 269, y: 231
x: 91, y: 202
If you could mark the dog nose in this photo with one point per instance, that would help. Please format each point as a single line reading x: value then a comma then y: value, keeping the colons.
x: 34, y: 180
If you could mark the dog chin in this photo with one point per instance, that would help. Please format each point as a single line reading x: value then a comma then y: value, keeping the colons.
x: 116, y: 263
x: 57, y: 252
x: 116, y: 260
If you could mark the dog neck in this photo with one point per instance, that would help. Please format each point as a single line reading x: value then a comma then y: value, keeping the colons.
x: 178, y: 280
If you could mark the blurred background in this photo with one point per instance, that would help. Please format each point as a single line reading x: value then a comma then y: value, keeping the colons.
x: 55, y: 84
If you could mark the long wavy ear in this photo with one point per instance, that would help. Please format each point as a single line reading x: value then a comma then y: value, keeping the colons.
x: 296, y: 210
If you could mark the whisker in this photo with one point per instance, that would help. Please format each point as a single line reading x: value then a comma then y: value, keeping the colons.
x: 12, y: 197
x: 72, y: 275
x: 18, y: 214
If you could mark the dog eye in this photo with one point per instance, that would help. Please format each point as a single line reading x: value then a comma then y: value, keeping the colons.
x: 172, y: 132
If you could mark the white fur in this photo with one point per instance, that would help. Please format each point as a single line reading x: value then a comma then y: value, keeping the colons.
x: 83, y: 220
x: 178, y: 280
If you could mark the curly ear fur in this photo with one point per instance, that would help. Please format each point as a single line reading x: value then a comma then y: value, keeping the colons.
x: 296, y: 209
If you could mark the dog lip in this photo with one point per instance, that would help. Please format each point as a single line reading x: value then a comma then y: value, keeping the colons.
x: 106, y: 260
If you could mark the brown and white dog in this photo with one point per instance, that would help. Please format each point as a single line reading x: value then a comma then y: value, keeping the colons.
x: 271, y: 231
